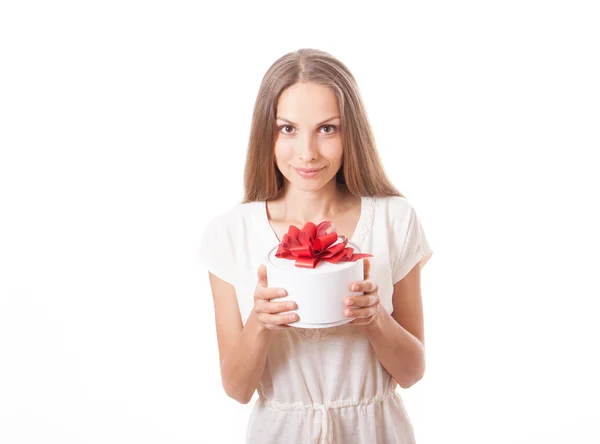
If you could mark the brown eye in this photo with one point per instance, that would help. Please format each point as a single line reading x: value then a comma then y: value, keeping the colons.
x: 285, y: 126
x: 329, y: 126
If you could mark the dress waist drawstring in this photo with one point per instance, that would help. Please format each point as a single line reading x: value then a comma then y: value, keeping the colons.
x: 326, y: 422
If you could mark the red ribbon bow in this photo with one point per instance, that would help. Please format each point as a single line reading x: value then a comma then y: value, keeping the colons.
x: 313, y: 244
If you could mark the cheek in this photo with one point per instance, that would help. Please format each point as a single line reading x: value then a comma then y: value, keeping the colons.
x: 334, y: 152
x: 282, y: 153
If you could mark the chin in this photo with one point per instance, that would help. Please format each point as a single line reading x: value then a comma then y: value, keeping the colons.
x: 310, y: 184
x: 311, y: 187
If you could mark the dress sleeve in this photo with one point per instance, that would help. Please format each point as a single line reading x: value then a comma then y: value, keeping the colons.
x: 409, y: 245
x: 216, y: 251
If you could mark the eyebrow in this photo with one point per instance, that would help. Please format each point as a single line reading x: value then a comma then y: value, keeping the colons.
x: 324, y: 121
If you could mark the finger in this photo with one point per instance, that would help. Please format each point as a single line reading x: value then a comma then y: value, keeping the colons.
x: 262, y: 276
x: 279, y: 327
x: 263, y: 306
x: 362, y: 301
x: 269, y: 293
x: 276, y: 327
x: 361, y: 312
x: 360, y: 321
x: 367, y: 268
x: 277, y: 319
x: 366, y: 286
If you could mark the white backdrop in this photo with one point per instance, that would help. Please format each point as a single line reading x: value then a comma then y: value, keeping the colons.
x: 123, y: 131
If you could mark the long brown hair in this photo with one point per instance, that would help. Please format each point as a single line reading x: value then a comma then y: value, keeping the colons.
x: 361, y: 171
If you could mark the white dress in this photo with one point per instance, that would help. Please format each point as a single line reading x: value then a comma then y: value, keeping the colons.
x: 322, y: 385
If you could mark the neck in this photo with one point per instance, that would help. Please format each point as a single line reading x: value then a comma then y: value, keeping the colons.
x: 314, y: 206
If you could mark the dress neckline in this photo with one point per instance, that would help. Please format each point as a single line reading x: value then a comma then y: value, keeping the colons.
x: 364, y: 220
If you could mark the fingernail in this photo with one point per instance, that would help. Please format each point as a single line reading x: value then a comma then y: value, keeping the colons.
x: 349, y: 313
x: 355, y: 287
x: 291, y: 305
x: 281, y: 292
x: 349, y: 302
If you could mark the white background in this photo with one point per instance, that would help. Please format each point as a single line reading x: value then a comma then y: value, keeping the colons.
x: 123, y: 132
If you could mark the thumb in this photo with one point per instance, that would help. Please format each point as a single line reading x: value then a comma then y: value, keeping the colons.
x: 262, y: 275
x: 367, y: 268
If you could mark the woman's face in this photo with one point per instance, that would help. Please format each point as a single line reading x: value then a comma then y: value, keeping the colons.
x: 308, y: 135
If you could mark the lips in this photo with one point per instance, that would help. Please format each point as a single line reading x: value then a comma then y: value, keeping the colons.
x: 308, y: 170
x: 308, y: 173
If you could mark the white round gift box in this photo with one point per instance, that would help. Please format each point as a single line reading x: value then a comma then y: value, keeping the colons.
x: 319, y: 292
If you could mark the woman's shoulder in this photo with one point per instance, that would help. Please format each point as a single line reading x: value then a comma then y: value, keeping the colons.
x: 235, y: 219
x: 234, y: 213
x: 394, y: 206
x: 223, y: 245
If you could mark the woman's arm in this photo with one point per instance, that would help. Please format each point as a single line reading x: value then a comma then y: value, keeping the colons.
x: 398, y: 339
x: 242, y: 349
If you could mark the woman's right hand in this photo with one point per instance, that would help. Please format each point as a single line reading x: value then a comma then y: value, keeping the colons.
x: 267, y: 312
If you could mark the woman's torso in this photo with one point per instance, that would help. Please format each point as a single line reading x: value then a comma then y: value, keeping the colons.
x: 322, y: 382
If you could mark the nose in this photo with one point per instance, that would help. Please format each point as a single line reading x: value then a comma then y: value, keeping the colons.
x: 307, y: 148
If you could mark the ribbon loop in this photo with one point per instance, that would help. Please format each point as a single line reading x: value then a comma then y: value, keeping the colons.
x: 314, y: 243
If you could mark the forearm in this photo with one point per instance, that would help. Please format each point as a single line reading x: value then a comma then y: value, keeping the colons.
x: 242, y: 368
x: 400, y: 353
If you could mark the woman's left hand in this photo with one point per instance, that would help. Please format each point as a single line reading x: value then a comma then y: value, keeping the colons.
x: 364, y: 308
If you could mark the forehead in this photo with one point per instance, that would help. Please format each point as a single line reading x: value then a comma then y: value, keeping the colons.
x: 307, y: 102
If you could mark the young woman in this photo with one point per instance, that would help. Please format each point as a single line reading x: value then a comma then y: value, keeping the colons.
x: 312, y: 157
